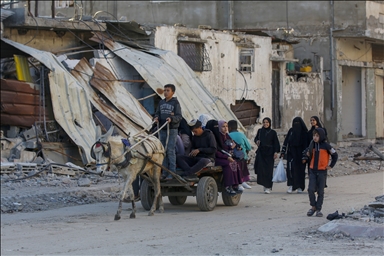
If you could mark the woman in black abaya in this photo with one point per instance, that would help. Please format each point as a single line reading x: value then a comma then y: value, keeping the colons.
x: 294, y: 144
x: 266, y: 153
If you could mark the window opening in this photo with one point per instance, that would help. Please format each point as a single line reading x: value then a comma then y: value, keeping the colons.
x: 195, y: 55
x: 246, y: 60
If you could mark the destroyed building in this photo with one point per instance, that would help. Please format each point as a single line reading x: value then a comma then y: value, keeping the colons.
x: 348, y: 35
x: 64, y: 74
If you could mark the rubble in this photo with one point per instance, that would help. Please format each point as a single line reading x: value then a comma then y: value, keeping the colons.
x: 48, y: 186
x: 53, y: 191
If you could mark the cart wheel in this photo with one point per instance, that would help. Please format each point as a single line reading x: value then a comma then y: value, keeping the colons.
x: 147, y: 195
x: 206, y: 194
x: 230, y: 200
x: 177, y: 200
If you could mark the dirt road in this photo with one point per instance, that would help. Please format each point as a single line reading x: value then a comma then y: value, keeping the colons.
x: 261, y: 224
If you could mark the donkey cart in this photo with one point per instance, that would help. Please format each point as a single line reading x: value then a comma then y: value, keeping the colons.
x: 205, y: 187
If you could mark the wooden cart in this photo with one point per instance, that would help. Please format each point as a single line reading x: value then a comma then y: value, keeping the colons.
x: 205, y: 187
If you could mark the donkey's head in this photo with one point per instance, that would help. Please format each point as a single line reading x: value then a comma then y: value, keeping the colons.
x: 101, y: 150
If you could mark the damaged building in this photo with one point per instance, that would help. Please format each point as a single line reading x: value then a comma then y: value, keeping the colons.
x: 348, y: 35
x: 68, y: 67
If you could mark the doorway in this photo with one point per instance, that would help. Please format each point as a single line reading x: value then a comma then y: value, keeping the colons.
x: 276, y: 116
x: 352, y: 103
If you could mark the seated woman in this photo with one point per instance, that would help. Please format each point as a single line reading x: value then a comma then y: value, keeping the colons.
x: 225, y: 145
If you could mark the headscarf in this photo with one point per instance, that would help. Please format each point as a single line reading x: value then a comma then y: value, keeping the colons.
x: 269, y: 121
x: 213, y: 125
x: 221, y: 123
x: 317, y: 122
x: 313, y: 127
x: 184, y: 127
x: 204, y: 118
x: 299, y: 131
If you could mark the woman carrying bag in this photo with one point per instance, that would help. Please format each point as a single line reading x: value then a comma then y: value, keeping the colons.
x: 266, y: 153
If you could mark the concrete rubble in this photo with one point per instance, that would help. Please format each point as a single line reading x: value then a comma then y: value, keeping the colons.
x: 368, y: 222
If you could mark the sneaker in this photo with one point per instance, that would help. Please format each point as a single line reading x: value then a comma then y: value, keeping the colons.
x: 289, y: 191
x: 299, y: 191
x: 319, y: 214
x: 245, y: 185
x: 240, y: 188
x: 238, y: 191
x: 267, y: 191
x: 230, y: 191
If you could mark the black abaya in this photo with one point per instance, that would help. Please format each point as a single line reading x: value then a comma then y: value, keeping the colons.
x: 264, y: 162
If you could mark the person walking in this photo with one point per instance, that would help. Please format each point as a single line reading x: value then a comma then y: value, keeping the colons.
x: 268, y: 146
x: 318, y: 156
x: 315, y: 123
x: 169, y: 111
x: 294, y: 144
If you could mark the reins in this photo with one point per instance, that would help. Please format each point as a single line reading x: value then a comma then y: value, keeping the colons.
x: 111, y: 160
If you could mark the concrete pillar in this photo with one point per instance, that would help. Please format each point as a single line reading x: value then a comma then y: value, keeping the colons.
x: 371, y: 102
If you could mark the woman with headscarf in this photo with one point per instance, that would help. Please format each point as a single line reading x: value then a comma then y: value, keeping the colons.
x: 268, y: 146
x: 315, y: 123
x: 204, y: 118
x: 225, y: 145
x: 296, y: 141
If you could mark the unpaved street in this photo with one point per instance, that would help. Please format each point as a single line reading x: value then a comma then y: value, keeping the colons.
x: 261, y: 224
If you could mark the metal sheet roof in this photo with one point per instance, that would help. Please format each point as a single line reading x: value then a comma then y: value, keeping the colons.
x: 160, y: 67
x: 83, y: 72
x: 70, y: 102
x: 104, y: 81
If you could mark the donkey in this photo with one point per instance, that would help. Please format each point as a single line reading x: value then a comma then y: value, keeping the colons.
x: 116, y: 153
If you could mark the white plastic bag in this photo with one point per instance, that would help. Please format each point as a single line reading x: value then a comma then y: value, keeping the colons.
x: 279, y: 175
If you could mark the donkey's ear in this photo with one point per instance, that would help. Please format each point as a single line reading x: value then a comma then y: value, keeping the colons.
x: 109, y: 132
x: 98, y: 132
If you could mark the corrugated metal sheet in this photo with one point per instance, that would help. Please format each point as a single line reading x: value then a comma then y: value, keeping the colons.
x: 160, y: 67
x: 5, y: 14
x: 20, y: 103
x: 71, y: 104
x: 83, y: 72
x: 105, y: 82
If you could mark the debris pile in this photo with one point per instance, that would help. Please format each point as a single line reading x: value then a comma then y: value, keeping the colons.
x: 51, y: 191
x: 373, y: 212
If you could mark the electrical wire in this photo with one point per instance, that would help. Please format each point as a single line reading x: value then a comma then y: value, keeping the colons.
x: 245, y: 90
x: 37, y: 28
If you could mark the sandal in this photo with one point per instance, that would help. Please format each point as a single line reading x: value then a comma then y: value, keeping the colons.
x: 311, y: 212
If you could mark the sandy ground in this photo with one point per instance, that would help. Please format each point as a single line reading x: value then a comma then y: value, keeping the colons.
x: 260, y: 225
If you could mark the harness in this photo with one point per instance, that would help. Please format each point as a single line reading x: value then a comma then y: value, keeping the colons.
x: 107, y: 153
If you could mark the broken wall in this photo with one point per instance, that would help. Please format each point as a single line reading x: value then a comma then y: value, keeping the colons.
x: 223, y: 48
x: 303, y: 98
x: 46, y: 40
x: 375, y: 19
